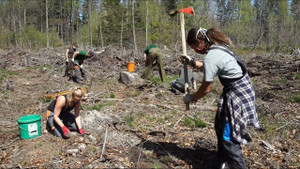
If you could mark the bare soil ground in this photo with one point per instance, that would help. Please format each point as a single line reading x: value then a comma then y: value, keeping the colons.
x: 142, y: 125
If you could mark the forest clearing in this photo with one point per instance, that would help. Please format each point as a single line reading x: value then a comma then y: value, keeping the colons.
x: 146, y: 124
x: 135, y: 122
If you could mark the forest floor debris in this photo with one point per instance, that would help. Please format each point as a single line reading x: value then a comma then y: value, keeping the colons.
x: 142, y: 125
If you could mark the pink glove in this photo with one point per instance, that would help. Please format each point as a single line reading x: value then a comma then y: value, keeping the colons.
x: 82, y: 132
x: 66, y: 132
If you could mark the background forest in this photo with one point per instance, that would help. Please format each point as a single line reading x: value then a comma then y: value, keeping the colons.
x: 133, y: 24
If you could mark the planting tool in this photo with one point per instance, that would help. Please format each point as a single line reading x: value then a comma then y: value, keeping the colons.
x: 173, y: 13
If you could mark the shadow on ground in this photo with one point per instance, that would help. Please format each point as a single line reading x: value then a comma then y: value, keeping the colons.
x: 195, y: 157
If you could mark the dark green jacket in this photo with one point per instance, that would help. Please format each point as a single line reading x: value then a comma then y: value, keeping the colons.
x: 80, y: 57
x: 148, y: 48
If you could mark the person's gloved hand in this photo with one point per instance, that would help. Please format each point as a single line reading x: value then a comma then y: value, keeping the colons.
x: 82, y: 132
x: 67, y: 60
x: 66, y: 132
x: 189, y: 59
x: 72, y: 60
x: 188, y: 98
x: 81, y: 66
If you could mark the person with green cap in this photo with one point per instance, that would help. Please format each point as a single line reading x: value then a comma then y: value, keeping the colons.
x: 77, y: 59
x: 151, y: 54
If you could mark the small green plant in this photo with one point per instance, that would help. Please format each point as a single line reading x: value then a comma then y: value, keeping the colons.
x: 93, y: 149
x: 297, y: 76
x: 137, y: 93
x: 156, y: 166
x: 67, y: 85
x: 188, y: 122
x: 167, y: 117
x: 158, y: 95
x: 40, y: 144
x: 160, y: 120
x: 141, y: 114
x: 110, y: 104
x: 168, y: 159
x: 155, y: 80
x: 295, y: 98
x: 254, y: 80
x: 5, y: 73
x: 112, y: 95
x: 280, y: 81
x: 97, y: 107
x: 102, y: 81
x: 200, y: 123
x: 174, y: 112
x: 25, y: 163
x: 129, y: 120
x: 171, y: 78
x: 46, y: 100
x: 4, y: 91
x: 168, y: 79
x: 194, y: 123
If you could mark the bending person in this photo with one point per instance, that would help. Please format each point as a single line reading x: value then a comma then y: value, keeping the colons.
x: 78, y: 58
x: 151, y: 54
x: 60, y: 120
x: 236, y: 108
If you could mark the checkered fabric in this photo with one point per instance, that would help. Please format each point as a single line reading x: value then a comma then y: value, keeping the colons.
x: 241, y: 106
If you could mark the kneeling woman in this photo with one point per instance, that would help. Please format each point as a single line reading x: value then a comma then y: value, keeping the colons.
x: 59, y: 118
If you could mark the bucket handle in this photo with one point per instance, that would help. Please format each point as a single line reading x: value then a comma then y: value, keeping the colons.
x: 27, y: 130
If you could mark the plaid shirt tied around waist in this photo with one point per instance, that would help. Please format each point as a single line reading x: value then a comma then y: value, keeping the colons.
x: 240, y: 97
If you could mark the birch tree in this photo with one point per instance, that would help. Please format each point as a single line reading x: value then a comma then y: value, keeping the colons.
x: 133, y: 27
x: 47, y: 28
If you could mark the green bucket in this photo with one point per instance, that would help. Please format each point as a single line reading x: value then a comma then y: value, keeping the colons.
x: 30, y: 126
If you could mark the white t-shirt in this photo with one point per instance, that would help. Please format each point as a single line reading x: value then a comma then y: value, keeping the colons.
x: 220, y: 63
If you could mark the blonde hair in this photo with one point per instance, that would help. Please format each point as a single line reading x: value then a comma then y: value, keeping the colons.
x: 74, y: 92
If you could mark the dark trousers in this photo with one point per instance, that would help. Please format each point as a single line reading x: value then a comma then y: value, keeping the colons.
x: 69, y: 69
x: 67, y: 118
x: 78, y: 73
x: 228, y: 151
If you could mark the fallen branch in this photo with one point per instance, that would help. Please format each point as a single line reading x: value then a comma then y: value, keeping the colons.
x: 103, y: 147
x: 284, y: 125
x: 178, y: 121
x: 4, y: 146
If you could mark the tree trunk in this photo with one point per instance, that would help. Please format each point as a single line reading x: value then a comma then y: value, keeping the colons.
x: 72, y: 21
x: 14, y: 25
x: 77, y: 28
x: 47, y: 29
x: 133, y: 28
x: 61, y: 22
x: 101, y: 35
x: 147, y: 15
x: 90, y: 22
x: 20, y: 23
x: 24, y: 17
x: 121, y: 40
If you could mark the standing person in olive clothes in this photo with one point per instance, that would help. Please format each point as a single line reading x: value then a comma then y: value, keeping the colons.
x: 78, y: 58
x: 69, y: 65
x: 153, y: 53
